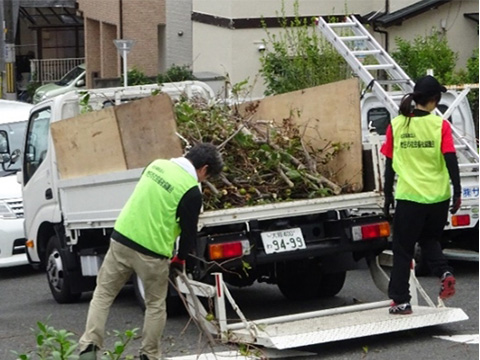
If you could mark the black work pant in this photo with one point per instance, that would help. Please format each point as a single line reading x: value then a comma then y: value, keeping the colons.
x: 414, y: 222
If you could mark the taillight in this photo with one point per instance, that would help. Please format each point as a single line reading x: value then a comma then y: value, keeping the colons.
x: 228, y: 250
x: 460, y: 220
x: 370, y: 231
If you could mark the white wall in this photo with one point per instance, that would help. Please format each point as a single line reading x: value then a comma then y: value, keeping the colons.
x: 178, y: 33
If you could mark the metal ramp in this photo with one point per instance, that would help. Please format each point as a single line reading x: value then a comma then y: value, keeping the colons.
x: 353, y: 41
x: 309, y: 328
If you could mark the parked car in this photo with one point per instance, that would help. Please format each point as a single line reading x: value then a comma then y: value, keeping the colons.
x: 13, y: 125
x: 72, y: 80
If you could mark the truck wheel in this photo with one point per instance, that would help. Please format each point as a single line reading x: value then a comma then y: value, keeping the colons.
x: 299, y: 282
x: 175, y: 306
x: 58, y: 276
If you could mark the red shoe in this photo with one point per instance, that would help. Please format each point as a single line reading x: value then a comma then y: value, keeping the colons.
x: 447, y: 289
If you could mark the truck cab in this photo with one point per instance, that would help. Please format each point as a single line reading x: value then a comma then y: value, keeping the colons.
x: 13, y: 123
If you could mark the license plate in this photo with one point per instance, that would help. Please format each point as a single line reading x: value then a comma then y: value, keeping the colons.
x: 283, y: 240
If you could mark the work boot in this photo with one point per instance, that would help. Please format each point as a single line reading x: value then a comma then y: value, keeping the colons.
x: 400, y: 309
x: 447, y: 288
x: 90, y: 353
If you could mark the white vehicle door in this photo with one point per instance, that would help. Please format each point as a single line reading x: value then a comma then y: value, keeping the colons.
x: 37, y: 175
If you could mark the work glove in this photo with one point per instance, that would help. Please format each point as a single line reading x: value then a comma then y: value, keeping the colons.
x: 456, y: 202
x: 177, y: 266
x: 389, y: 203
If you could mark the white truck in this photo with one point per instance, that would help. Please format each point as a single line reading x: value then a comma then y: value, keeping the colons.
x: 69, y: 221
x: 385, y: 85
x: 13, y: 124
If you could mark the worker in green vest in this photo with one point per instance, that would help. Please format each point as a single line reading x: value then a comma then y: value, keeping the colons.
x: 165, y: 204
x: 419, y: 148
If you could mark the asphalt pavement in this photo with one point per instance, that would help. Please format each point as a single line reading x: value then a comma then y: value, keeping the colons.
x: 25, y: 300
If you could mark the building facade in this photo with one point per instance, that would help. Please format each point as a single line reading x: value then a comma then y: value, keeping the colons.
x: 140, y: 20
x: 227, y: 36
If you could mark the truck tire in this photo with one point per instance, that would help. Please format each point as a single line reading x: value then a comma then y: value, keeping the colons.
x: 299, y: 282
x: 175, y: 306
x: 58, y: 276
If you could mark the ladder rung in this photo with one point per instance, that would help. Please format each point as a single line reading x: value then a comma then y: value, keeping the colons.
x: 460, y: 147
x: 472, y: 165
x: 353, y: 38
x: 365, y: 52
x: 342, y: 24
x: 393, y: 81
x: 379, y: 66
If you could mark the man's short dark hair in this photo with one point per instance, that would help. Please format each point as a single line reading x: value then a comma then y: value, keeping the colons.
x: 206, y: 154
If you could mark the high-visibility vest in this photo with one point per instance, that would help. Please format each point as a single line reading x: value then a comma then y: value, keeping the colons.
x: 418, y: 159
x: 149, y: 218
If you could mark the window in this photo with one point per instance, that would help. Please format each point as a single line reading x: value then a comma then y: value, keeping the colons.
x: 37, y: 142
x: 378, y: 120
x: 443, y: 109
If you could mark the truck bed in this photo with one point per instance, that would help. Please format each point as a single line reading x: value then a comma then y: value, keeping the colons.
x: 95, y: 202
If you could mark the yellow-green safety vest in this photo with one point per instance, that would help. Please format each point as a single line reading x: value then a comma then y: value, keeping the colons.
x: 418, y: 159
x: 149, y: 218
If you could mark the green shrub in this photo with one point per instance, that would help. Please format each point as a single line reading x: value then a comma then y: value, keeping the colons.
x: 176, y: 73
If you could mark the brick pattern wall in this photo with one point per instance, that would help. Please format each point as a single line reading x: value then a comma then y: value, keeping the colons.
x: 139, y: 20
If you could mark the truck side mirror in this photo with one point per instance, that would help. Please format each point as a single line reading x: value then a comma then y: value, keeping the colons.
x: 16, y: 154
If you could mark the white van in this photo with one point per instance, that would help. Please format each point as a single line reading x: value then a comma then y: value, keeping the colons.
x: 13, y: 125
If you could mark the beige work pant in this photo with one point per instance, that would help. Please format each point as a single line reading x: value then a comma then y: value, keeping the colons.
x: 118, y: 266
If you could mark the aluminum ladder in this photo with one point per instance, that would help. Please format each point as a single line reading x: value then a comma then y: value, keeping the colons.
x: 353, y: 41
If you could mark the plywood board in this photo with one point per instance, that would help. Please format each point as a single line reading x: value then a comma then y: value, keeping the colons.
x: 326, y: 114
x: 88, y: 144
x: 147, y: 130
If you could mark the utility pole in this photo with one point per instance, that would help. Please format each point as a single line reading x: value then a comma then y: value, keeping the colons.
x: 9, y: 27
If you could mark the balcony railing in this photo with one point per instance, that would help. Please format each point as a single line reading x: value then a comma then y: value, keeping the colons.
x: 50, y: 70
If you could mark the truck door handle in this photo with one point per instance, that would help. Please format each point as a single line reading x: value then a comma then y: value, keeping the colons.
x: 48, y: 194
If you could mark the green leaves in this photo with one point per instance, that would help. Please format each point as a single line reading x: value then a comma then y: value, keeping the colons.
x: 426, y: 52
x: 55, y: 344
x: 298, y: 57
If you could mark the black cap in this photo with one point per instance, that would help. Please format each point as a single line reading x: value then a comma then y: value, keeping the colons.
x: 428, y: 85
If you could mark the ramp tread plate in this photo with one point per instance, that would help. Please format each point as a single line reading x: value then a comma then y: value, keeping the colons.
x: 347, y: 326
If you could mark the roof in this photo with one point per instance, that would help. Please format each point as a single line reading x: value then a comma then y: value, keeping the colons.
x: 397, y: 17
x: 13, y: 111
x: 47, y: 13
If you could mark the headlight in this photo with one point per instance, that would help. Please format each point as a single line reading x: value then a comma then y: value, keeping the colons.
x: 6, y: 211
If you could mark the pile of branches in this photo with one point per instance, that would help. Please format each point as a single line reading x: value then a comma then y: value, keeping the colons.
x: 264, y: 162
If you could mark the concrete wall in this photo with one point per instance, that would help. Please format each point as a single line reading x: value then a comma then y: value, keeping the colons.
x: 178, y: 49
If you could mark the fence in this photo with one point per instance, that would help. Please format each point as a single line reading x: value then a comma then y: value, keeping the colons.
x: 51, y: 70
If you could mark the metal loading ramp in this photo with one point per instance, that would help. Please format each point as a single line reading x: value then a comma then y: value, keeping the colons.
x: 329, y: 328
x: 309, y: 328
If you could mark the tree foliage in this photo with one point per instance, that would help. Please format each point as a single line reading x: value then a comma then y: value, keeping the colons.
x: 426, y: 52
x: 298, y: 57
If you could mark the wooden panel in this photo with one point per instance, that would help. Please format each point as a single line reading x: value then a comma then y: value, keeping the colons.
x: 327, y: 114
x: 88, y: 144
x: 147, y: 129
